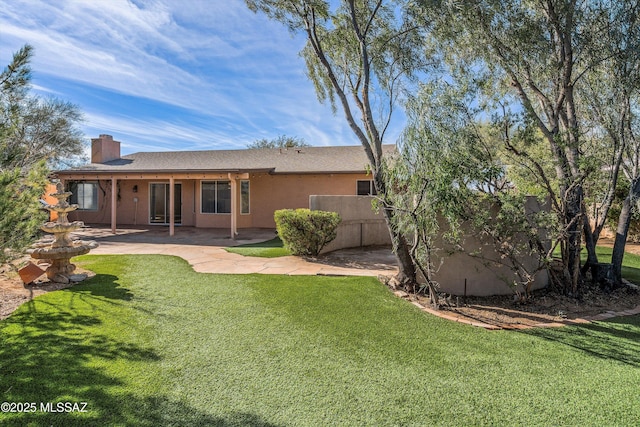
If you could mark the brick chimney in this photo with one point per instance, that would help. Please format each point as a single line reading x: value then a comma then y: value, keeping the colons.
x: 104, y: 149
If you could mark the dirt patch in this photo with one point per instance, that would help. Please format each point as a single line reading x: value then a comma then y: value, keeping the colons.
x: 365, y: 258
x: 545, y: 308
x: 14, y: 293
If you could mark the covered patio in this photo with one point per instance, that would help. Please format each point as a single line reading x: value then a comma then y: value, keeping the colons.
x: 164, y: 209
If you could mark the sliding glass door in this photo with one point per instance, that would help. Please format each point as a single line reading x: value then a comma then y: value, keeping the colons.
x: 159, y: 203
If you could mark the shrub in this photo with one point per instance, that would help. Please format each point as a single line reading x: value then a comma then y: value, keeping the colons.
x: 306, y: 232
x: 21, y: 214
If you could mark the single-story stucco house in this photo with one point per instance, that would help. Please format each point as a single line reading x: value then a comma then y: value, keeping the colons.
x: 236, y: 189
x: 231, y: 189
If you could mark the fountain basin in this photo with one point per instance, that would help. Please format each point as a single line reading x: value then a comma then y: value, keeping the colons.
x: 61, y: 195
x: 66, y: 209
x: 78, y: 248
x: 59, y: 251
x: 60, y: 269
x: 56, y: 227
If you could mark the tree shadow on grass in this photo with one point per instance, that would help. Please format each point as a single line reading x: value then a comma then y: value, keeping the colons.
x: 53, y: 353
x: 105, y: 285
x: 616, y: 339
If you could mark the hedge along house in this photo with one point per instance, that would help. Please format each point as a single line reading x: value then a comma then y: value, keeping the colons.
x: 231, y: 189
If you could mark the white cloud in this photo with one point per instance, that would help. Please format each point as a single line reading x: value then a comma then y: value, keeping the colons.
x: 137, y: 134
x: 120, y: 46
x: 235, y: 68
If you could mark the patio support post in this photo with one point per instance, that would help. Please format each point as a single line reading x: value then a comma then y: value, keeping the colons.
x: 172, y: 206
x: 114, y: 203
x: 234, y: 208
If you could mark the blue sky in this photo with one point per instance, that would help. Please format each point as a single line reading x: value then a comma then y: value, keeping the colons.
x: 164, y: 75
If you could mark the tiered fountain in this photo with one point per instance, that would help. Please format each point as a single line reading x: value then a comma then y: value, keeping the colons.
x: 63, y: 248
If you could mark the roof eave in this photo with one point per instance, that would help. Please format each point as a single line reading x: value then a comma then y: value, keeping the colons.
x: 154, y: 171
x: 271, y: 171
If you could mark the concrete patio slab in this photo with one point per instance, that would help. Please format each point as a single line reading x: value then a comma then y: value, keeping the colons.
x: 204, y: 250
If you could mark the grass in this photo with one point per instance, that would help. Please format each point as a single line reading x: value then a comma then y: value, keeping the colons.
x: 270, y: 249
x: 149, y: 342
x: 630, y: 265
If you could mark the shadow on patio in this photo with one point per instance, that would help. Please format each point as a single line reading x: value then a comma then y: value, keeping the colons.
x: 183, y: 235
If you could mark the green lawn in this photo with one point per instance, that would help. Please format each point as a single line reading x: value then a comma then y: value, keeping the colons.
x: 149, y: 342
x: 630, y: 265
x: 270, y: 249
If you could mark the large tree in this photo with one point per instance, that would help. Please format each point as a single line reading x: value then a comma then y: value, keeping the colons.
x: 282, y: 141
x: 35, y: 133
x: 357, y: 55
x: 611, y: 95
x: 33, y: 128
x: 20, y: 213
x: 452, y: 192
x: 532, y: 55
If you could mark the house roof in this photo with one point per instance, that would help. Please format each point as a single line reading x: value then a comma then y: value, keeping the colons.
x: 343, y: 159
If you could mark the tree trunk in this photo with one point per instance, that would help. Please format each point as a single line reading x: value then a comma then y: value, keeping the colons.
x: 621, y: 239
x: 590, y: 241
x: 622, y: 231
x: 407, y: 270
x: 573, y: 214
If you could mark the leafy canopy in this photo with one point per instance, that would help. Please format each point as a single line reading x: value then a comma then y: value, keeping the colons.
x: 35, y: 134
x: 32, y: 128
x: 281, y: 141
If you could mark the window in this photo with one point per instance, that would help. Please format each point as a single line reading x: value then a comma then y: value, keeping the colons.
x: 85, y: 194
x: 366, y: 188
x: 216, y: 197
x: 244, y: 197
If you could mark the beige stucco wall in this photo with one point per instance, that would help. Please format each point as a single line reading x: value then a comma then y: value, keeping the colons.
x: 361, y: 225
x: 487, y: 276
x: 272, y: 192
x: 133, y: 207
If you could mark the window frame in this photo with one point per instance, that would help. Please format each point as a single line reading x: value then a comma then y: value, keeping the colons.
x: 248, y: 211
x: 74, y: 198
x: 215, y: 201
x: 178, y: 203
x: 372, y: 187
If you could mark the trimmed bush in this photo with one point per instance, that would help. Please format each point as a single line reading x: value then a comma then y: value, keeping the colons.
x: 306, y: 232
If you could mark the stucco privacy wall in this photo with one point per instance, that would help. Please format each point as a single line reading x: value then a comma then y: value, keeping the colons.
x: 482, y: 277
x: 486, y: 276
x: 361, y: 226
